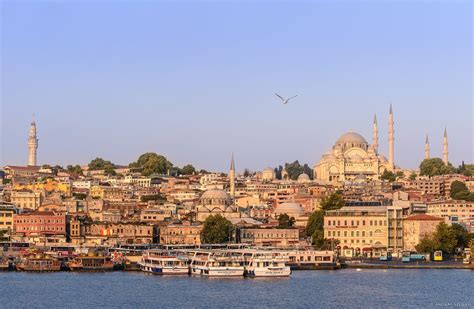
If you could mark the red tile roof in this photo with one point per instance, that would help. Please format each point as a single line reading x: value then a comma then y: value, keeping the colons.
x: 423, y: 217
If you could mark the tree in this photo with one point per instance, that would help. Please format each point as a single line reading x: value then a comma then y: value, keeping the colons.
x: 459, y: 191
x: 100, y: 164
x: 153, y: 197
x: 412, y: 176
x: 308, y: 171
x: 152, y: 163
x: 285, y: 221
x: 332, y: 202
x: 315, y: 222
x: 388, y: 175
x: 246, y: 172
x: 466, y: 169
x: 188, y: 169
x: 294, y: 169
x: 445, y: 238
x: 76, y: 169
x: 322, y: 243
x: 435, y: 166
x: 216, y: 230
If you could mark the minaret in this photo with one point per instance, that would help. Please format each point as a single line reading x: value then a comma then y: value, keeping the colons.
x: 391, y: 139
x: 232, y: 177
x: 427, y: 148
x: 32, y: 144
x: 375, y: 135
x: 445, y: 147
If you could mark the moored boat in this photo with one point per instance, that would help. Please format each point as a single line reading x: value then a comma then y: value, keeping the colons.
x: 266, y: 264
x: 220, y: 263
x: 162, y: 262
x: 91, y: 262
x: 39, y: 262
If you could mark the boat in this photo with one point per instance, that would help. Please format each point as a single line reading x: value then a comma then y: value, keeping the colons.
x: 217, y: 263
x: 312, y: 259
x: 38, y: 262
x: 163, y: 262
x: 4, y: 264
x: 91, y: 262
x: 266, y: 264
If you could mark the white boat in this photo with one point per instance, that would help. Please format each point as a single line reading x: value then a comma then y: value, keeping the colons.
x: 266, y: 264
x: 217, y: 264
x: 164, y: 262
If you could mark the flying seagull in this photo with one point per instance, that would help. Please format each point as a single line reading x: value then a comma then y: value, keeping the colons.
x: 285, y: 101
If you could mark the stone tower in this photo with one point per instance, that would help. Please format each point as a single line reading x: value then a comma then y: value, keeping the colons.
x: 391, y: 139
x: 445, y: 147
x: 232, y: 177
x: 427, y: 148
x: 375, y: 135
x: 32, y: 144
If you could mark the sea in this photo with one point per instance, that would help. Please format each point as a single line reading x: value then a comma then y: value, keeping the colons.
x: 347, y: 288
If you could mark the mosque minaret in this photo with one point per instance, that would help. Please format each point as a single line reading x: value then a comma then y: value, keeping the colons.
x: 32, y: 144
x: 427, y: 148
x: 445, y: 147
x: 391, y: 140
x: 375, y: 135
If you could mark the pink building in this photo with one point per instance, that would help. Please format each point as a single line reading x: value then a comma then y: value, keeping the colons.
x: 40, y: 223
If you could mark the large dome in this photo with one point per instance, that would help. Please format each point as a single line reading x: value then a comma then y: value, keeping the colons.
x: 303, y: 177
x: 289, y: 209
x: 215, y: 194
x: 351, y: 137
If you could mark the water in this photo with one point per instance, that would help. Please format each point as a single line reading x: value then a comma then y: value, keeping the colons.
x: 316, y: 289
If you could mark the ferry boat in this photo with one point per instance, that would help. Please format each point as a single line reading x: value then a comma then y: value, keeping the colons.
x: 266, y: 264
x: 312, y: 259
x: 217, y: 264
x: 91, y: 262
x: 164, y: 263
x: 39, y: 262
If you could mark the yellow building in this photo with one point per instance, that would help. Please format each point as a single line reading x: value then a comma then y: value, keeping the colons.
x: 181, y: 234
x: 7, y: 213
x: 26, y: 199
x: 49, y: 185
x: 360, y: 230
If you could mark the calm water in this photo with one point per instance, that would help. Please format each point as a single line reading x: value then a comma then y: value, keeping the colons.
x: 343, y: 288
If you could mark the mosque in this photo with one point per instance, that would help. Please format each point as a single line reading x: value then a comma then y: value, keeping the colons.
x: 352, y: 157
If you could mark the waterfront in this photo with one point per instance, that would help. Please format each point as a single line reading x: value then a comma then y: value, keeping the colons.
x: 370, y: 288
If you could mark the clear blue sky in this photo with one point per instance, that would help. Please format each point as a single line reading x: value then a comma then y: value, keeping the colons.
x: 195, y: 80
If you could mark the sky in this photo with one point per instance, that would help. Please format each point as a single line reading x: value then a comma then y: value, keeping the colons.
x: 195, y: 81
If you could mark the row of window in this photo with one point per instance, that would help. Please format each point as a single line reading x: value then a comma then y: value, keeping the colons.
x: 357, y: 222
x: 354, y: 233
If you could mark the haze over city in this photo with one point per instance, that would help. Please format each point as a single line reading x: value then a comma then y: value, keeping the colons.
x: 196, y: 82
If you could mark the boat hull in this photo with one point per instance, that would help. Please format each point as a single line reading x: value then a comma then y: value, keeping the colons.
x: 218, y: 271
x: 267, y: 272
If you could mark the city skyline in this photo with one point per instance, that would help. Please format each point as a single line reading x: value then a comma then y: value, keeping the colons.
x: 199, y: 99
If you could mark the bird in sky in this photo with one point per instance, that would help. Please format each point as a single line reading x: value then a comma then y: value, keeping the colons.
x: 285, y: 101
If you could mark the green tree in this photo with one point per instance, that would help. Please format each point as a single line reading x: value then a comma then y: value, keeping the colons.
x: 435, y: 166
x: 152, y: 163
x: 459, y: 191
x: 216, y: 230
x: 332, y: 202
x: 462, y: 236
x: 246, y: 172
x: 446, y: 238
x: 388, y: 175
x: 76, y: 169
x: 285, y: 221
x: 412, y: 176
x: 315, y: 222
x: 100, y: 164
x: 294, y: 169
x: 188, y: 169
x: 153, y: 197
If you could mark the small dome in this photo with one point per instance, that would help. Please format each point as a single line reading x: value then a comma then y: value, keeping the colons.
x: 215, y: 194
x: 289, y: 208
x: 303, y: 177
x: 268, y: 169
x: 351, y: 137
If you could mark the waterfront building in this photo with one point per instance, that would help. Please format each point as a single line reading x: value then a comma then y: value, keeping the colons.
x: 271, y: 237
x: 47, y: 223
x: 416, y: 227
x: 102, y: 233
x: 185, y: 233
x: 360, y: 230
